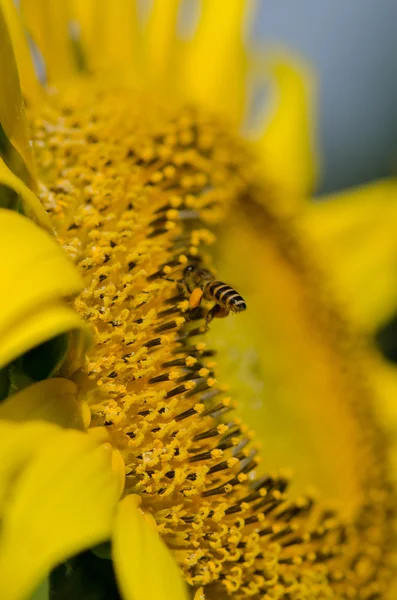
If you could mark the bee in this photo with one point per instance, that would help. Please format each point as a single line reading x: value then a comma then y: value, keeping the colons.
x: 202, y: 284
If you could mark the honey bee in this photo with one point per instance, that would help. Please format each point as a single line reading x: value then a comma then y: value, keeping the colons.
x: 202, y: 284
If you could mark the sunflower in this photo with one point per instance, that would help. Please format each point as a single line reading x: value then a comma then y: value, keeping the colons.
x: 128, y: 164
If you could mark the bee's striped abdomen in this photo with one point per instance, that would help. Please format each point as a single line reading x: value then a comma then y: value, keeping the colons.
x: 226, y: 296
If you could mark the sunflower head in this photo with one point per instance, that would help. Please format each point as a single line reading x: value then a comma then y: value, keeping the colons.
x: 136, y: 175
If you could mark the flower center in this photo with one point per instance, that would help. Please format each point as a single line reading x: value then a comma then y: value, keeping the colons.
x: 132, y: 186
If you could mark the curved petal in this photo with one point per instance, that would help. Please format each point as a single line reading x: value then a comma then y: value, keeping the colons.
x: 37, y: 270
x: 13, y: 126
x: 61, y: 503
x: 29, y: 82
x: 36, y: 278
x: 218, y: 42
x: 290, y: 357
x: 384, y: 379
x: 51, y: 400
x: 286, y: 148
x: 160, y: 38
x: 16, y: 444
x: 354, y: 233
x: 36, y: 326
x: 144, y: 566
x: 31, y: 205
x: 48, y: 24
x: 110, y: 37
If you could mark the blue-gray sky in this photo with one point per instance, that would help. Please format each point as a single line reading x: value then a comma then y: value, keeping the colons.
x: 353, y: 46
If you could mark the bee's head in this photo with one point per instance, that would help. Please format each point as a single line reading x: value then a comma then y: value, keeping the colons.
x: 195, y: 276
x: 189, y: 270
x: 191, y: 277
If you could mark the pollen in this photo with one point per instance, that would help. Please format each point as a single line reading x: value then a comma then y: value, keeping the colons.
x: 133, y: 188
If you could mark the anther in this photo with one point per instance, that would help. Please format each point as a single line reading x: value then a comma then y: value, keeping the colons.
x: 157, y: 232
x: 203, y: 456
x: 179, y: 362
x: 159, y: 378
x: 206, y: 434
x: 186, y: 414
x: 178, y: 390
x: 165, y: 327
x: 153, y: 343
x: 199, y: 388
x: 168, y: 311
x: 297, y: 540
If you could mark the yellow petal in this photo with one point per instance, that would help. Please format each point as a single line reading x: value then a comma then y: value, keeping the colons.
x: 384, y: 379
x: 15, y: 146
x: 286, y: 148
x: 37, y: 325
x: 354, y: 233
x: 109, y: 37
x: 144, y: 566
x: 31, y: 205
x: 160, y: 38
x: 29, y: 82
x: 63, y: 502
x: 51, y: 400
x: 285, y: 357
x: 36, y: 278
x: 17, y: 442
x: 48, y: 24
x: 37, y: 269
x: 85, y: 15
x: 215, y: 67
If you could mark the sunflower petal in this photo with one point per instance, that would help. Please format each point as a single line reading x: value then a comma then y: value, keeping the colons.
x: 355, y: 234
x: 205, y: 77
x: 84, y: 15
x: 14, y: 136
x: 384, y: 379
x: 286, y: 147
x: 36, y: 278
x: 51, y: 400
x: 109, y: 37
x: 144, y: 566
x: 44, y: 323
x: 31, y: 205
x: 284, y: 355
x: 48, y: 24
x: 29, y: 82
x: 16, y: 444
x: 37, y: 269
x: 160, y: 38
x: 62, y: 503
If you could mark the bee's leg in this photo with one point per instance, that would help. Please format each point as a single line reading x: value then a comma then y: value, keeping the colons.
x: 221, y: 313
x: 195, y: 300
x: 217, y: 311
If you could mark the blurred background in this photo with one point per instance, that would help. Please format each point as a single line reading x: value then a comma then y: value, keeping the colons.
x: 352, y: 44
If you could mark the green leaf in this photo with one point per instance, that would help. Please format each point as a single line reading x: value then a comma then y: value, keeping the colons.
x: 18, y: 378
x: 39, y: 363
x: 46, y: 359
x: 85, y: 576
x: 42, y: 592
